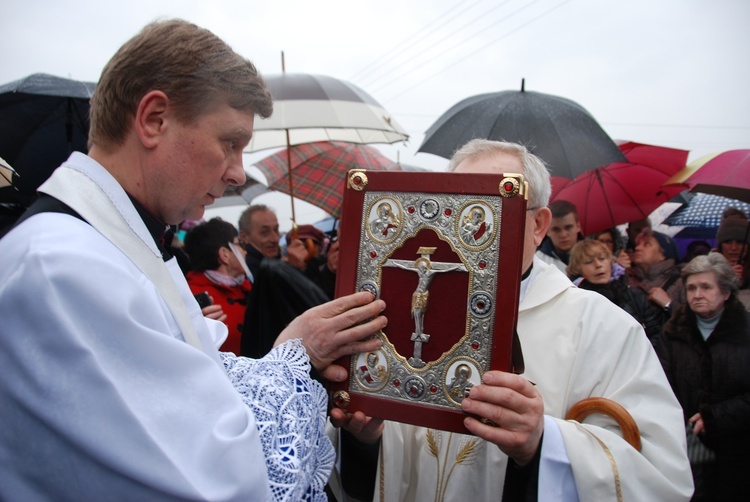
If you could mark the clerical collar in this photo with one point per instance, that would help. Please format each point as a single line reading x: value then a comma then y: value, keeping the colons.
x: 527, y: 273
x: 157, y: 228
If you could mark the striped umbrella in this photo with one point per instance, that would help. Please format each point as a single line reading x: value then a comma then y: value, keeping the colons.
x: 319, y: 170
x: 311, y: 108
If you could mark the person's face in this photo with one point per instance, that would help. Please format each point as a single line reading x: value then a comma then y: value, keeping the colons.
x: 564, y: 232
x: 703, y: 294
x: 333, y: 257
x: 264, y: 233
x: 647, y: 251
x: 196, y: 162
x: 731, y: 250
x: 606, y: 239
x: 537, y: 220
x: 476, y: 216
x: 597, y: 269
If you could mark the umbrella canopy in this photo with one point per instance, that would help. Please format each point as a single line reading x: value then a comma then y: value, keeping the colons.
x: 314, y: 108
x: 705, y: 211
x: 725, y: 173
x: 319, y: 170
x: 558, y: 130
x: 241, y: 195
x: 43, y: 119
x: 623, y: 191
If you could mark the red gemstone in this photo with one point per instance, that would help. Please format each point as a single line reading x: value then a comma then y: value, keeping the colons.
x: 482, y: 264
x: 357, y: 180
x: 433, y: 388
x: 480, y: 305
x: 448, y: 212
x: 373, y: 254
x: 475, y: 345
x: 411, y: 209
x: 396, y: 382
x: 508, y: 186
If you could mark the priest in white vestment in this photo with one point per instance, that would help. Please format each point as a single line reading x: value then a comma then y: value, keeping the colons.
x: 576, y: 345
x: 111, y: 385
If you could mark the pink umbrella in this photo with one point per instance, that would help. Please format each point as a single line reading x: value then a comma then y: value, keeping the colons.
x: 623, y: 191
x: 724, y: 173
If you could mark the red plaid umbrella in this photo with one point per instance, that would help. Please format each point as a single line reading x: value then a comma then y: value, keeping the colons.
x: 725, y: 173
x: 319, y: 170
x: 623, y: 191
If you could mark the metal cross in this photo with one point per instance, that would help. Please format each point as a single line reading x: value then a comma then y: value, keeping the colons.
x: 426, y: 271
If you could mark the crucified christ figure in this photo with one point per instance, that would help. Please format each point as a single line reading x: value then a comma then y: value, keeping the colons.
x: 426, y: 271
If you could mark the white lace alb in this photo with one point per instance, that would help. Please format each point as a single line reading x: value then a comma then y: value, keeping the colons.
x: 290, y: 411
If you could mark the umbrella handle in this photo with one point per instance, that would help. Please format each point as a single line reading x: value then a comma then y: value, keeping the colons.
x: 605, y: 406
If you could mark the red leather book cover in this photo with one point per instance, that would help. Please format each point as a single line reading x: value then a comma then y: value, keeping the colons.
x: 444, y: 251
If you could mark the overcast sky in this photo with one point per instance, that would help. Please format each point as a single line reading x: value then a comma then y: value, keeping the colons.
x: 667, y: 72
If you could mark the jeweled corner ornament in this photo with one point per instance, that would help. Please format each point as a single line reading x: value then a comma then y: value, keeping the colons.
x: 357, y: 180
x: 512, y: 185
x: 444, y: 251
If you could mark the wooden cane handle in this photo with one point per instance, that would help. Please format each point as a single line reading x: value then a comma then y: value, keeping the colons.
x: 605, y: 406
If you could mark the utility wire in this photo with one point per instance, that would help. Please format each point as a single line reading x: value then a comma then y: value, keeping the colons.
x: 448, y: 36
x: 475, y: 52
x: 400, y: 46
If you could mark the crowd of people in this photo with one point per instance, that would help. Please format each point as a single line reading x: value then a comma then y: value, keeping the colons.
x: 129, y: 376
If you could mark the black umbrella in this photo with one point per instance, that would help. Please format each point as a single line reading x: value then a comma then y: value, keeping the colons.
x: 558, y: 130
x: 43, y: 119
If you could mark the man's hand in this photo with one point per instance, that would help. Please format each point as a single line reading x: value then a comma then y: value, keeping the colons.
x: 338, y: 328
x: 514, y: 406
x: 296, y: 253
x: 365, y: 429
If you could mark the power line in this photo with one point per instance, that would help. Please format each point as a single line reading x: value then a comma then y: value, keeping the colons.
x: 449, y: 35
x: 400, y: 47
x: 477, y: 51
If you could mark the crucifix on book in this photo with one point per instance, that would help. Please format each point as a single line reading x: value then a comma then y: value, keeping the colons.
x: 426, y: 270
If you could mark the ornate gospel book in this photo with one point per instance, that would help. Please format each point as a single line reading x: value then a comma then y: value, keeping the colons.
x: 444, y: 251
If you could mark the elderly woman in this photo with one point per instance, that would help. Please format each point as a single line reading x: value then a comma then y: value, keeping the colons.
x: 593, y: 261
x: 705, y: 351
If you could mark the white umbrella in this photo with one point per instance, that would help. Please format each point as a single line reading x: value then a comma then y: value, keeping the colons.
x: 310, y: 108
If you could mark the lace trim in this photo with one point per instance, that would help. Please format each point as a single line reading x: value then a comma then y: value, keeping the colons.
x: 290, y: 412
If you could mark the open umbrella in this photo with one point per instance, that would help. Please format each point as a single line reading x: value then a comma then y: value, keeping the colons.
x: 43, y: 119
x: 705, y: 211
x: 319, y: 170
x: 310, y: 108
x: 623, y: 191
x: 558, y: 130
x: 725, y: 173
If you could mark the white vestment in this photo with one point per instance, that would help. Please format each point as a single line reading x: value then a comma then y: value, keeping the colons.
x: 576, y: 344
x: 102, y: 399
